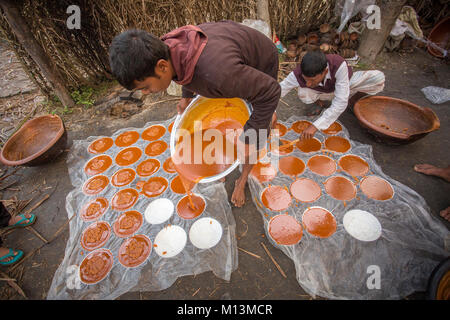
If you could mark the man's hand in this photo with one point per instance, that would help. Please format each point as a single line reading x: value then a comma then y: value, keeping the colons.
x: 309, y: 132
x: 182, y: 105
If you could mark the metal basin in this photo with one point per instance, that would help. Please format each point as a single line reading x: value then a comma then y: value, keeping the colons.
x: 204, y: 109
x: 37, y: 142
x: 395, y: 121
x: 440, y: 35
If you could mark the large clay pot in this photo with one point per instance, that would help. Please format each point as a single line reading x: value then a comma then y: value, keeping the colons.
x: 208, y: 111
x: 440, y: 35
x: 37, y: 142
x: 395, y: 121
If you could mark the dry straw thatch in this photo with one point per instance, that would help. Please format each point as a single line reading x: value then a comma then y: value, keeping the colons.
x: 81, y: 56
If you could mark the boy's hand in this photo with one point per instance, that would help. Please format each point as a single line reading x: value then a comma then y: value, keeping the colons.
x: 309, y: 132
x: 182, y: 105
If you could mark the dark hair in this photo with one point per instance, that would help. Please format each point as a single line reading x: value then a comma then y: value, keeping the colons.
x: 133, y: 55
x: 313, y: 63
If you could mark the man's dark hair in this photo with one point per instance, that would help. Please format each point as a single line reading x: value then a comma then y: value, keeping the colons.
x: 313, y: 63
x: 133, y: 55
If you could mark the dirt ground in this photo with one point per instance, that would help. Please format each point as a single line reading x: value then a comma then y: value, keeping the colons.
x: 255, y: 278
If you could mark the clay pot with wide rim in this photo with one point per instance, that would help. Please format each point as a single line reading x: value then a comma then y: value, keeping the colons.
x: 440, y: 35
x: 395, y: 121
x: 38, y: 141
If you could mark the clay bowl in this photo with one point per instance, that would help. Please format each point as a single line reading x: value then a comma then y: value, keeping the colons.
x: 395, y: 121
x: 38, y: 141
x: 440, y: 35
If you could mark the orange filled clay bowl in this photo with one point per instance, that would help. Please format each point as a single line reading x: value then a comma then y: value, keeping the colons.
x: 123, y: 177
x: 184, y: 209
x: 98, y: 165
x: 285, y: 230
x: 282, y: 151
x: 354, y: 165
x: 95, y: 185
x: 168, y: 166
x: 305, y: 190
x: 155, y: 148
x: 153, y: 132
x: 319, y: 222
x: 340, y: 188
x: 124, y: 199
x: 128, y: 156
x: 337, y: 144
x: 334, y: 128
x: 154, y: 186
x: 300, y: 126
x: 95, y: 235
x: 100, y: 145
x: 94, y: 209
x: 281, y: 129
x: 127, y: 223
x: 291, y: 166
x: 376, y: 188
x: 96, y: 266
x: 176, y: 185
x: 127, y: 138
x: 263, y: 172
x: 276, y: 198
x: 148, y: 167
x: 309, y: 145
x: 322, y: 165
x: 134, y: 251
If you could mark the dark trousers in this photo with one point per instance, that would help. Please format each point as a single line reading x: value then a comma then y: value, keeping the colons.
x: 4, y: 218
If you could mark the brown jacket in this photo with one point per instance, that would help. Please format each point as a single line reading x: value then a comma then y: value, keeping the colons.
x: 237, y: 61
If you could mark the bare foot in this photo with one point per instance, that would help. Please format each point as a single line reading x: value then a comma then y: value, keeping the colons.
x: 238, y: 197
x: 431, y: 170
x: 446, y: 214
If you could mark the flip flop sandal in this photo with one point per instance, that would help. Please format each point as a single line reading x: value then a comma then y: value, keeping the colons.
x: 16, y: 258
x: 19, y: 223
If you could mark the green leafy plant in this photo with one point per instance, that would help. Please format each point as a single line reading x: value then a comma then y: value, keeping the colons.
x: 83, y: 96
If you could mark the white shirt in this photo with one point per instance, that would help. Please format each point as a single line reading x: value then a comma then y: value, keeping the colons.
x: 340, y: 99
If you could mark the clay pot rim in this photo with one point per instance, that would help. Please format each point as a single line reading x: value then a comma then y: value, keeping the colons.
x: 403, y: 136
x: 111, y: 259
x: 430, y: 35
x: 285, y: 214
x: 42, y: 151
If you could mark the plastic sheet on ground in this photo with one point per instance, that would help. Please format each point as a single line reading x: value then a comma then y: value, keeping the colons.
x: 411, y: 244
x: 156, y: 273
x: 436, y: 95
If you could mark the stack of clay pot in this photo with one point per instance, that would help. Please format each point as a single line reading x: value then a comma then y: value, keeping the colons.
x: 326, y: 39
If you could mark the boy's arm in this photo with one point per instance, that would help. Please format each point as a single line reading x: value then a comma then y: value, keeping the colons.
x: 289, y: 83
x: 339, y: 102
